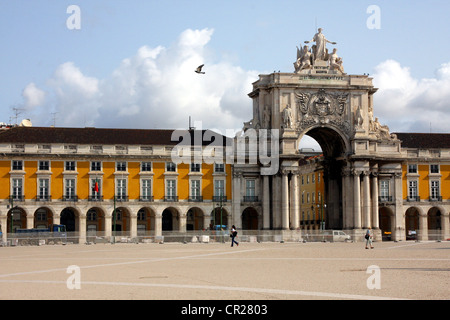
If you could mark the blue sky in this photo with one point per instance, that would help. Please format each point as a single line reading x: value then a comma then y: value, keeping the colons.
x: 124, y: 66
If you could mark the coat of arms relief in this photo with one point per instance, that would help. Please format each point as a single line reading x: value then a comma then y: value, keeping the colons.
x: 320, y: 108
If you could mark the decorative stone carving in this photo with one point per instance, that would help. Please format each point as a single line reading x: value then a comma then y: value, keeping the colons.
x: 304, y: 59
x: 359, y: 118
x: 317, y: 60
x: 266, y: 117
x: 321, y: 108
x: 319, y: 50
x: 287, y: 117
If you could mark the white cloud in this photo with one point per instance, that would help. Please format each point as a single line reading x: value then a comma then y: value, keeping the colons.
x: 33, y: 96
x: 156, y: 88
x: 412, y: 105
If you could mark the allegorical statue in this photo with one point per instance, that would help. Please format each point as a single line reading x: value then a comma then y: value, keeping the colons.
x: 304, y: 59
x: 335, y: 61
x: 320, y: 51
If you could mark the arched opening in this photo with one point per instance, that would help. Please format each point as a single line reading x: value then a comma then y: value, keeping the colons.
x: 411, y: 223
x: 95, y: 220
x: 434, y: 223
x: 68, y: 218
x: 120, y: 220
x: 43, y: 218
x: 19, y: 220
x: 145, y: 221
x: 386, y: 217
x: 333, y: 147
x: 194, y: 219
x: 219, y: 216
x: 250, y: 219
x: 170, y: 219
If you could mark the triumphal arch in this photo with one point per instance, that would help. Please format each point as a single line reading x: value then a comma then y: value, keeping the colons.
x: 320, y: 100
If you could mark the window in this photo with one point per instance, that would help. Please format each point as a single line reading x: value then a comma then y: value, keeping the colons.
x: 195, y: 167
x: 96, y: 189
x: 434, y: 168
x: 195, y: 190
x: 44, y: 165
x: 44, y: 193
x: 146, y: 166
x: 121, y: 166
x: 219, y: 167
x: 412, y: 168
x: 69, y: 165
x: 96, y: 166
x: 70, y: 189
x: 435, y: 190
x: 17, y: 165
x: 171, y: 189
x: 384, y: 190
x: 121, y: 189
x: 17, y: 189
x: 171, y: 167
x: 146, y: 189
x: 219, y: 188
x: 412, y: 190
x: 250, y: 188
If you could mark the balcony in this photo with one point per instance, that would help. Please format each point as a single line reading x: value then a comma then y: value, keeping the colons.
x: 95, y: 198
x: 413, y: 199
x: 146, y: 198
x: 121, y: 198
x: 435, y: 199
x: 44, y: 198
x: 170, y: 198
x: 70, y: 198
x: 17, y: 198
x: 250, y: 198
x: 219, y: 198
x: 195, y: 198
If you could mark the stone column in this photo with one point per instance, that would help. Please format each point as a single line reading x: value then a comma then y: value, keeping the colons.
x: 423, y: 226
x: 356, y: 200
x: 236, y: 200
x: 56, y: 219
x: 4, y: 224
x: 266, y: 203
x: 295, y: 223
x: 206, y: 220
x: 133, y: 225
x: 399, y: 226
x: 285, y: 201
x: 445, y: 225
x: 182, y: 222
x: 108, y: 225
x: 158, y: 223
x: 82, y: 229
x: 347, y: 199
x: 366, y: 200
x: 30, y: 221
x: 375, y: 209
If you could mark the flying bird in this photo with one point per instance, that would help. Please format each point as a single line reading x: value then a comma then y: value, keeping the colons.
x: 199, y: 69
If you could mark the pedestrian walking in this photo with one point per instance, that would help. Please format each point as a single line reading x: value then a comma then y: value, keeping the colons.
x: 369, y: 237
x: 233, y: 235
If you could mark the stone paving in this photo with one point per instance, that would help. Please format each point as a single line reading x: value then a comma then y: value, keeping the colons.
x: 216, y: 271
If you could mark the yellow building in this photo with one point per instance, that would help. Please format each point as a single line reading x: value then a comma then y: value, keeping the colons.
x: 80, y: 176
x: 312, y: 188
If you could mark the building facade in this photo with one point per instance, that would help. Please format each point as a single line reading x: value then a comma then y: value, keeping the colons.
x: 136, y: 181
x: 80, y: 177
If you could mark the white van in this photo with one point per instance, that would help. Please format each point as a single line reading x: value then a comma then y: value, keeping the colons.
x: 335, y: 236
x: 339, y: 235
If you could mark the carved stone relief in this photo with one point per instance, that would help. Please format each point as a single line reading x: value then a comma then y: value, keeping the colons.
x: 321, y: 108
